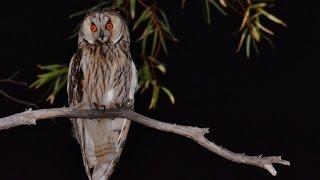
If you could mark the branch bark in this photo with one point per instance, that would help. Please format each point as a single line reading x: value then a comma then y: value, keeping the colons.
x: 197, y: 134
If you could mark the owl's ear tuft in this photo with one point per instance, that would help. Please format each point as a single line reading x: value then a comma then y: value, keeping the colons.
x: 91, y: 12
x: 113, y: 9
x: 116, y: 9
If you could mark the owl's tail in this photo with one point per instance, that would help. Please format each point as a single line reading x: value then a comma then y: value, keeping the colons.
x: 101, y: 144
x: 103, y: 171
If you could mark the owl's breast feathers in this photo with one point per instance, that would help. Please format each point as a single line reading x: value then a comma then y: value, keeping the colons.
x: 102, y: 75
x: 107, y: 73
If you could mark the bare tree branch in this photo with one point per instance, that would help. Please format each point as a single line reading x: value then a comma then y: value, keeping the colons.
x: 197, y: 134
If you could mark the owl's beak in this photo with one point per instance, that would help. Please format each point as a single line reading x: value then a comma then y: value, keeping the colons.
x: 101, y: 36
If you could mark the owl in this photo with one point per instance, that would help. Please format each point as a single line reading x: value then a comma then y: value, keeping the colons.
x: 102, y: 75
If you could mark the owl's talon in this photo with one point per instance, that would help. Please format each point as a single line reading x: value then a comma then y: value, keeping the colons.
x: 103, y: 109
x: 96, y: 106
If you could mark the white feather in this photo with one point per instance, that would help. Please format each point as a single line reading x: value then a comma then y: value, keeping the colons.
x: 108, y: 97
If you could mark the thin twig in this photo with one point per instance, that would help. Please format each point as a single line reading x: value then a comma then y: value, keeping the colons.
x: 10, y: 80
x: 233, y: 7
x: 13, y: 82
x: 197, y: 134
x: 143, y: 4
x: 18, y: 100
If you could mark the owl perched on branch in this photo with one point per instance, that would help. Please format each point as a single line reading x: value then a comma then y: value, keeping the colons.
x: 102, y: 75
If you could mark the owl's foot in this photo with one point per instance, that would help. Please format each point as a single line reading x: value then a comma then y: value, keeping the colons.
x: 96, y: 106
x: 101, y: 108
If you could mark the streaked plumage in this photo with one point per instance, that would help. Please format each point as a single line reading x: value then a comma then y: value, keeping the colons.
x: 102, y: 73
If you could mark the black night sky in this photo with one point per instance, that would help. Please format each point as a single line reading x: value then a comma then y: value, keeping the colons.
x: 264, y: 105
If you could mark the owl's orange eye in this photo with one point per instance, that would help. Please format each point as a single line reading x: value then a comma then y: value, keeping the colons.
x: 109, y: 26
x: 93, y: 28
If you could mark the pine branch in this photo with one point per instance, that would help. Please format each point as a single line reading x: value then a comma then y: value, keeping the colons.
x: 197, y: 134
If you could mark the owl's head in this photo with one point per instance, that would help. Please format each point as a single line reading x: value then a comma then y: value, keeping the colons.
x: 104, y: 26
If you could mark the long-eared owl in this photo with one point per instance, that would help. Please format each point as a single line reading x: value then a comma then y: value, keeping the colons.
x: 102, y: 75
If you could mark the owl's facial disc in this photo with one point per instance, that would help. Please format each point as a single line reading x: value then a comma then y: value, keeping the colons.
x: 104, y: 27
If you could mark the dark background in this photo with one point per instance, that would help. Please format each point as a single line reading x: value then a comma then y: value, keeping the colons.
x: 266, y: 104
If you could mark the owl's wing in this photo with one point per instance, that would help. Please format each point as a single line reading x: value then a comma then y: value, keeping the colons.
x: 133, y: 86
x: 75, y: 86
x: 75, y: 80
x: 75, y: 93
x: 134, y: 81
